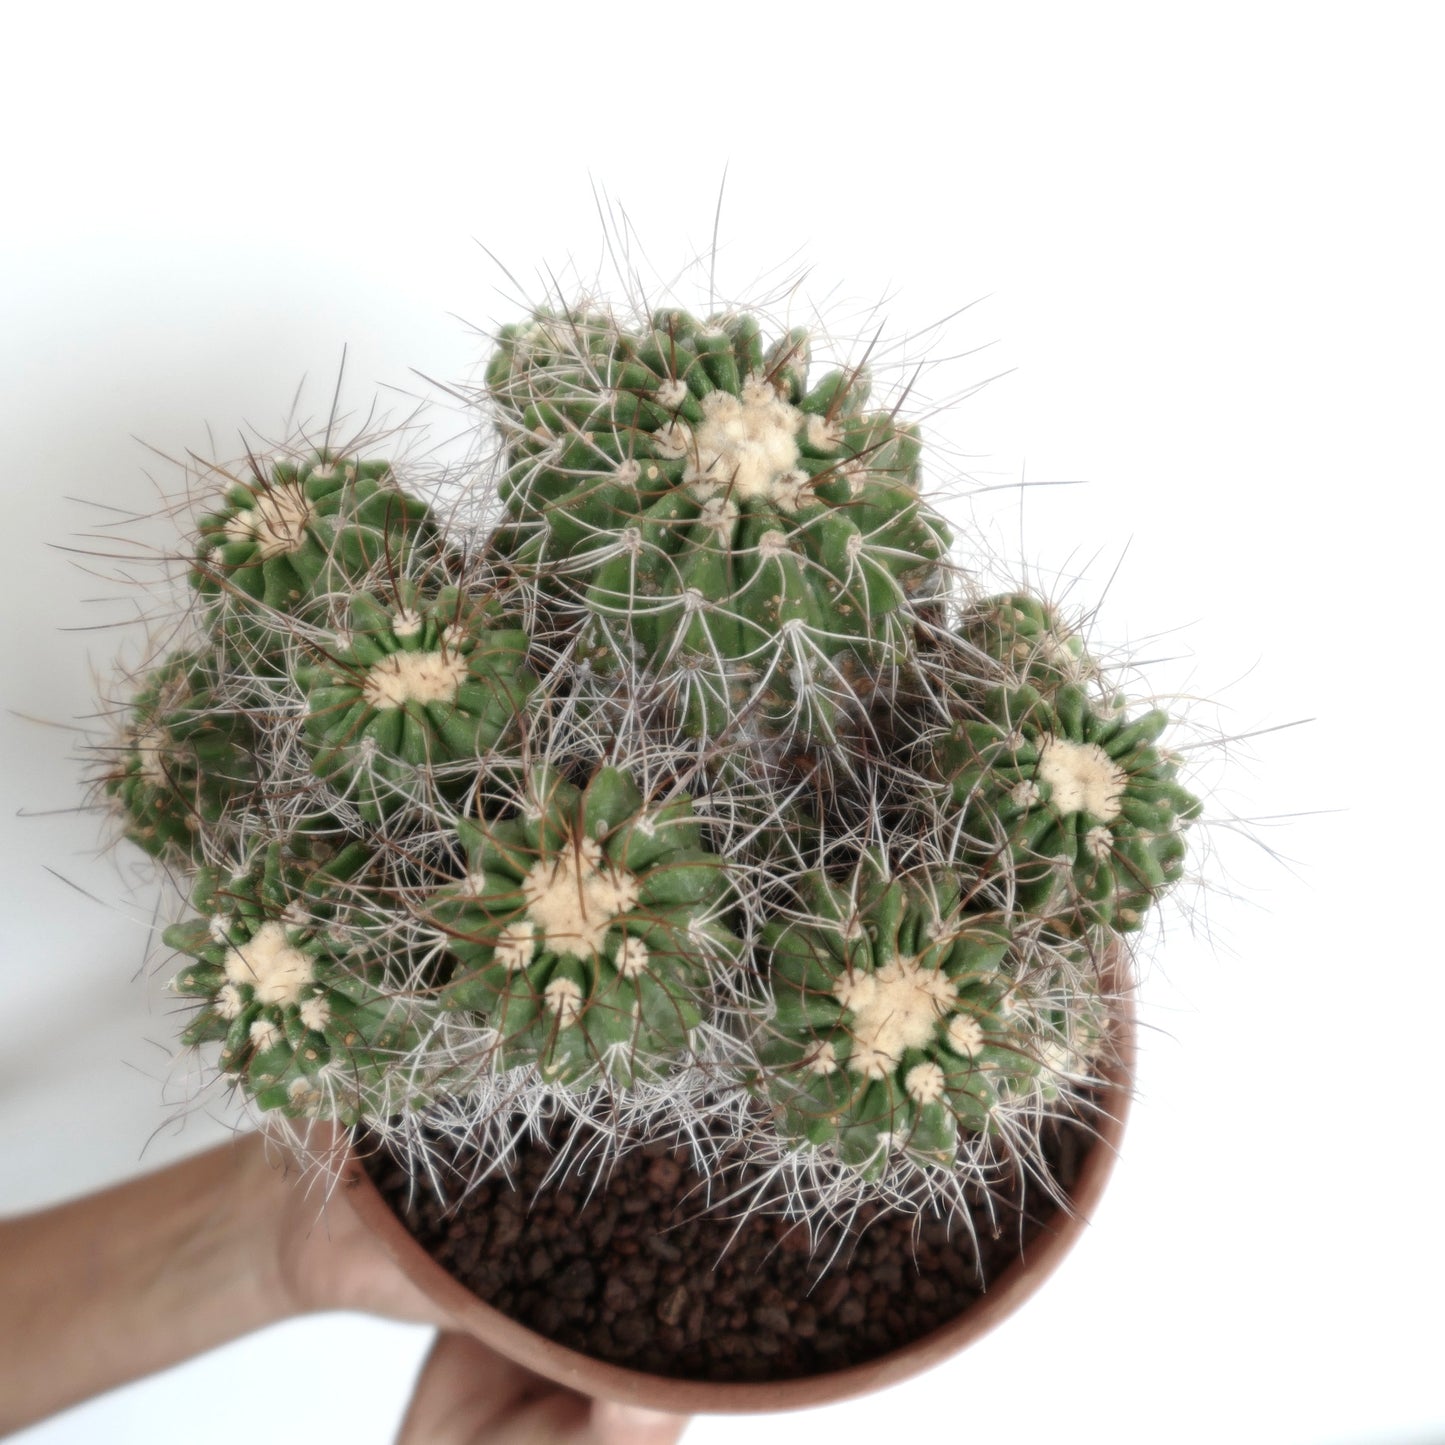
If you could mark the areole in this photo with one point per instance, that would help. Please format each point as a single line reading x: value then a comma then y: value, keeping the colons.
x: 604, y: 1380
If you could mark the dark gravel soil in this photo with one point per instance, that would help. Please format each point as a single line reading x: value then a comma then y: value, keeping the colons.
x: 639, y: 1276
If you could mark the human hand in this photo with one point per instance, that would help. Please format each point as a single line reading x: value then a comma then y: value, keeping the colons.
x: 466, y: 1393
x: 469, y: 1395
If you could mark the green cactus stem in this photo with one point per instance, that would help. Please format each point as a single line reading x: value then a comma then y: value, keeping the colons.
x: 1025, y: 635
x: 897, y: 1024
x: 185, y: 759
x: 295, y: 531
x: 291, y: 986
x: 425, y: 683
x: 704, y: 502
x: 1079, y: 804
x: 585, y: 929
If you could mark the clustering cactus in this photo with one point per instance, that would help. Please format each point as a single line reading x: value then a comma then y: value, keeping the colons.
x: 695, y: 793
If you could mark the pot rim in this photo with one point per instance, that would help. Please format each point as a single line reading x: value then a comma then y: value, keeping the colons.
x: 603, y: 1380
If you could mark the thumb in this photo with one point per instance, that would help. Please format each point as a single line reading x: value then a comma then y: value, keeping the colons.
x: 617, y: 1424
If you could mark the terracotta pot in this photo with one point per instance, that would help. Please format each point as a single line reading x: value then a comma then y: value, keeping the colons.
x: 597, y: 1378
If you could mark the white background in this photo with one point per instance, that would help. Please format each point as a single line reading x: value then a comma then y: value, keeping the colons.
x: 1203, y: 242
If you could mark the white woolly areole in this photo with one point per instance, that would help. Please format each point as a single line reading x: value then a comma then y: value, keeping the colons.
x: 824, y: 434
x: 1025, y: 794
x: 924, y: 1083
x: 229, y: 1002
x: 965, y: 1035
x: 791, y: 490
x: 672, y: 392
x: 403, y: 677
x: 564, y: 997
x: 856, y: 475
x: 1098, y: 843
x: 772, y: 544
x: 574, y: 899
x: 406, y: 623
x: 315, y: 1012
x: 264, y: 1034
x: 278, y: 521
x: 1084, y: 778
x: 894, y: 1008
x: 516, y: 945
x: 632, y: 956
x: 274, y: 967
x: 745, y: 444
x: 671, y: 442
x: 1058, y: 1058
x: 719, y: 514
x: 823, y: 1059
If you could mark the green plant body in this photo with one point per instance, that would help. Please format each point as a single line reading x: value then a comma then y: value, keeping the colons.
x: 1078, y: 802
x: 586, y: 928
x: 293, y: 532
x: 726, y: 525
x: 896, y: 1019
x: 1025, y: 636
x: 184, y: 760
x: 291, y: 986
x: 675, y: 778
x: 425, y: 683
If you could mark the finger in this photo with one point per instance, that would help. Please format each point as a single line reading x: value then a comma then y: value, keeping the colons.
x: 463, y: 1391
x: 616, y: 1424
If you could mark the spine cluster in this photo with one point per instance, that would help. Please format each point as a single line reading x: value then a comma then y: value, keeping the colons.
x: 699, y: 784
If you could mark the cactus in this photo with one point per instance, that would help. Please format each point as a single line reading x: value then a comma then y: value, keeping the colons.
x: 585, y: 928
x: 896, y: 1020
x: 184, y: 760
x: 291, y: 532
x: 419, y: 685
x: 1076, y: 800
x: 690, y: 792
x: 289, y: 985
x: 1025, y: 636
x: 724, y: 524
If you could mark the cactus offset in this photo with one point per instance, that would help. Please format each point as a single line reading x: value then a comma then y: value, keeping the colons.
x: 424, y: 684
x: 293, y: 986
x: 184, y: 760
x: 293, y: 531
x: 735, y: 535
x: 1075, y: 800
x: 897, y: 1022
x: 585, y: 928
